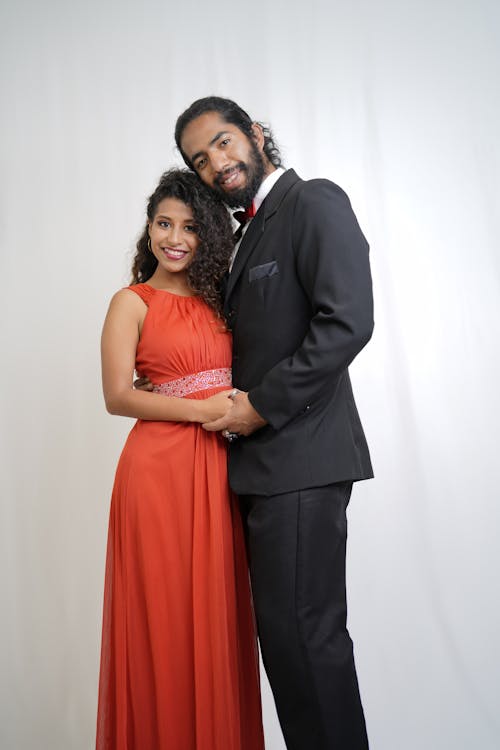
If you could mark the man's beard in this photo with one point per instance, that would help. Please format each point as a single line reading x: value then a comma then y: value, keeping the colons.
x: 254, y: 170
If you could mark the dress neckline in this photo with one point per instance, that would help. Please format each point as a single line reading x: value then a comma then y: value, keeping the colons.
x: 172, y: 294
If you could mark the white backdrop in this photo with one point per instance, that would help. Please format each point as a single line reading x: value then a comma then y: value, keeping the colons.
x: 398, y: 102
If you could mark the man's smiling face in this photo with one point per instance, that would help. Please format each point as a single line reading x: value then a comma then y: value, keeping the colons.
x: 224, y: 158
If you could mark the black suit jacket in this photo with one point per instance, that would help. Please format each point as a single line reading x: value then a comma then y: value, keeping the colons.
x: 299, y: 303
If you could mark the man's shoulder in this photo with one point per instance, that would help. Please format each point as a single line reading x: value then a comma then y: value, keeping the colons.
x: 318, y: 195
x: 314, y: 186
x: 321, y: 186
x: 308, y: 197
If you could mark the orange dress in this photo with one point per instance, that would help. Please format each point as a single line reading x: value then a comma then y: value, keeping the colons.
x: 179, y: 667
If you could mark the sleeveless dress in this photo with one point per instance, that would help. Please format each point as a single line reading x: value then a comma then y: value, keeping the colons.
x: 179, y: 667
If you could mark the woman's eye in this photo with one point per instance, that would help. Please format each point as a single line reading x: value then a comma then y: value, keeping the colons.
x: 190, y: 228
x: 164, y: 224
x: 225, y: 142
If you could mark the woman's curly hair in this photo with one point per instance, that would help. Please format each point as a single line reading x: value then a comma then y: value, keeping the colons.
x: 213, y: 226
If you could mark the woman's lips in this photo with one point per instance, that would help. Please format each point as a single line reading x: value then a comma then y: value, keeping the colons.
x: 173, y: 254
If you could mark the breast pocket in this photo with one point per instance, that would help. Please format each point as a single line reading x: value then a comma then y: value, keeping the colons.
x: 265, y: 271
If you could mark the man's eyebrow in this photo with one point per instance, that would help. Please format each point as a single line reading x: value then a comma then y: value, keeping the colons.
x: 214, y: 140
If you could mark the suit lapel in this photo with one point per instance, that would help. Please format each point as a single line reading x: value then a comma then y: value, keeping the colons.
x: 247, y: 244
x: 257, y: 226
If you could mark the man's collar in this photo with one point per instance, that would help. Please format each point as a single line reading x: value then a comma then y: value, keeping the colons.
x: 266, y: 186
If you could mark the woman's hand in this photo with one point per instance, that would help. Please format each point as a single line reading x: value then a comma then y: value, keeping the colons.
x: 215, y: 407
x: 242, y: 419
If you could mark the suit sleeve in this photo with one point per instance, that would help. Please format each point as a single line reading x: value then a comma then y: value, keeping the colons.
x: 333, y: 268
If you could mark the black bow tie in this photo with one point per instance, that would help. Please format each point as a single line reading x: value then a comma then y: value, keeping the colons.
x: 243, y: 217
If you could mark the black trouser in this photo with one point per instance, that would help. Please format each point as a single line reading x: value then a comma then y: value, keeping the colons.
x: 297, y: 546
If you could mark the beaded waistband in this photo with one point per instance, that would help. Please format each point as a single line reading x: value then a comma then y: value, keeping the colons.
x: 198, y: 381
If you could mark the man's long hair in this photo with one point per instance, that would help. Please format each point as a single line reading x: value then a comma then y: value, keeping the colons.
x: 231, y: 113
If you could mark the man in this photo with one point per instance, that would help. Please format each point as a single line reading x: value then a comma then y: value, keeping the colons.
x: 299, y: 303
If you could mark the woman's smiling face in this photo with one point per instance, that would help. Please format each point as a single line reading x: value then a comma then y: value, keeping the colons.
x: 173, y: 235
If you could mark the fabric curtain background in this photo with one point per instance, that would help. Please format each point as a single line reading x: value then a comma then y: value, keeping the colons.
x: 397, y: 102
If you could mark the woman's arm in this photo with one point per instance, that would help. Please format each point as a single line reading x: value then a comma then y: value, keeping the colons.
x: 120, y: 337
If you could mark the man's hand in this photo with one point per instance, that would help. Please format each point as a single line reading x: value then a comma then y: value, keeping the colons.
x: 241, y: 419
x: 143, y: 384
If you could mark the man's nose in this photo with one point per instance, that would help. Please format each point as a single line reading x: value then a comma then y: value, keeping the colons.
x: 218, y: 161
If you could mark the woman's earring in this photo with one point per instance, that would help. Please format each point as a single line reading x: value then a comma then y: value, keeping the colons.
x: 149, y: 244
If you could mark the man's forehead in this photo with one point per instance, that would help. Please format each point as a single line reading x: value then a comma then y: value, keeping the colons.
x: 201, y: 131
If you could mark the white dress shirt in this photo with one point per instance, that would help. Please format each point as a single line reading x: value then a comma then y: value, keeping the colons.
x: 265, y: 188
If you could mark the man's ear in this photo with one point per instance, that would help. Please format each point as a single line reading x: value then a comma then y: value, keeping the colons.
x: 258, y: 135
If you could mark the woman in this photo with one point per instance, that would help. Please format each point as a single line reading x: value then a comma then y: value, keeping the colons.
x: 178, y: 661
